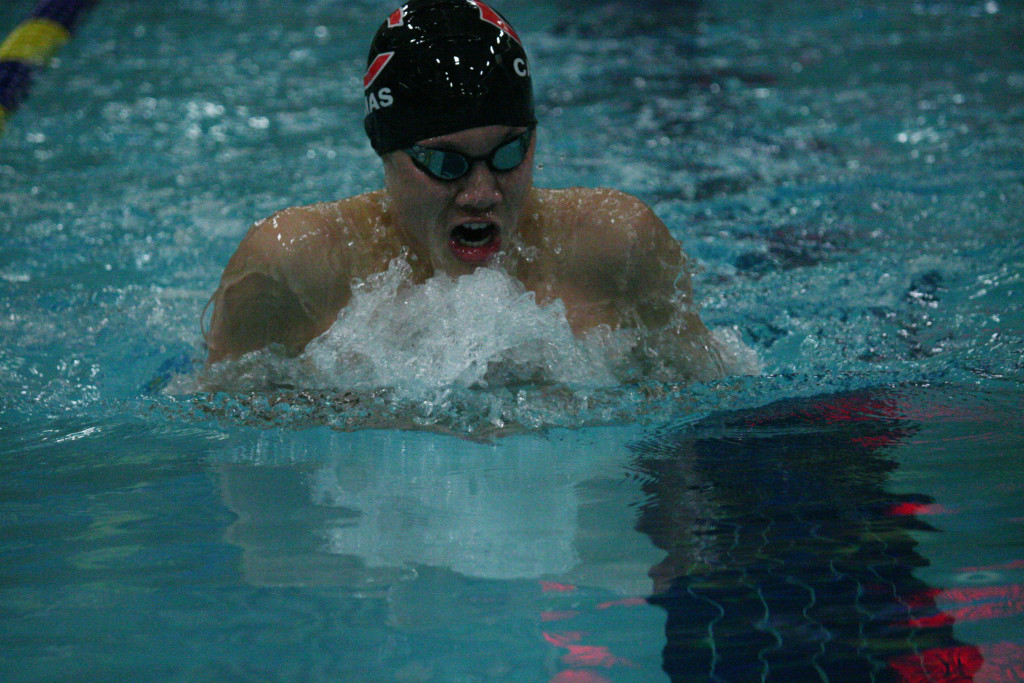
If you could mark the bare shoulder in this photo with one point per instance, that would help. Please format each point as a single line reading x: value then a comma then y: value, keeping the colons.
x: 619, y: 255
x: 289, y: 276
x: 304, y: 237
x: 591, y: 200
x: 607, y: 221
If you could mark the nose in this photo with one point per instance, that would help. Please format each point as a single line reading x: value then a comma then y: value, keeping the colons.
x: 480, y: 189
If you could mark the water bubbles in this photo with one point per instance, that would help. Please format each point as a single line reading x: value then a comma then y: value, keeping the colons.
x: 916, y: 137
x: 203, y: 110
x: 474, y: 331
x: 474, y: 354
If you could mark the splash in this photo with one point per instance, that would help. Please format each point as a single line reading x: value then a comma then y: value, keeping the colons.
x: 471, y: 354
x: 476, y: 331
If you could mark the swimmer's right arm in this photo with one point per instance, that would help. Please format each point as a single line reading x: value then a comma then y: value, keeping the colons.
x: 254, y: 312
x: 256, y: 304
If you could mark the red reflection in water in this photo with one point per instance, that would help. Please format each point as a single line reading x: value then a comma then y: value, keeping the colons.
x: 552, y: 587
x: 583, y: 655
x: 991, y: 662
x: 916, y: 509
x: 1004, y: 662
x: 949, y: 664
x: 578, y: 676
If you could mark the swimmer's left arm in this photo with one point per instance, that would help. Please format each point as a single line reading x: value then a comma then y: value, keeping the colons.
x: 669, y: 283
x: 653, y: 288
x: 633, y: 258
x: 665, y: 303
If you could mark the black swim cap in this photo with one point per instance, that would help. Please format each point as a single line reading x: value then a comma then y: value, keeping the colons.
x: 440, y: 66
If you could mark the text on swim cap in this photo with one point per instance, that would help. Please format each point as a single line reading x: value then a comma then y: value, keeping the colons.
x: 378, y: 100
x: 383, y: 97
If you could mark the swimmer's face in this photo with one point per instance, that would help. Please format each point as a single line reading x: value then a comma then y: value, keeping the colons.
x: 463, y: 223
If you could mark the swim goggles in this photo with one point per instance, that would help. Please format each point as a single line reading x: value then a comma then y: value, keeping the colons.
x: 447, y: 165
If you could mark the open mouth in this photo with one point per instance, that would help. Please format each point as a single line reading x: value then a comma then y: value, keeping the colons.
x: 474, y: 242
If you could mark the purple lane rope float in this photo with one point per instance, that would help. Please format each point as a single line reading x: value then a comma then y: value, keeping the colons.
x: 31, y: 45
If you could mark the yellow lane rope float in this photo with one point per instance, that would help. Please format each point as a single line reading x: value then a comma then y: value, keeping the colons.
x: 31, y: 45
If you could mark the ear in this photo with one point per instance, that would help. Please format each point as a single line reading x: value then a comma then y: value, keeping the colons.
x: 390, y: 168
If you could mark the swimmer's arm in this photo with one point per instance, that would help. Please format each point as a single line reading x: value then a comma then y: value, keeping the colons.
x: 685, y: 342
x: 271, y: 289
x: 655, y: 290
x: 634, y: 260
x: 663, y: 287
x: 254, y: 312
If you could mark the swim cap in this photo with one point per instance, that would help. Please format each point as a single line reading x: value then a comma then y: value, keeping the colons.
x: 440, y: 66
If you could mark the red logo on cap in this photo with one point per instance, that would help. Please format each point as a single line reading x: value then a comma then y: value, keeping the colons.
x: 376, y: 67
x: 494, y: 19
x: 396, y: 18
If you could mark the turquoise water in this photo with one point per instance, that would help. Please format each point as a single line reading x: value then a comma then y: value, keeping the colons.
x: 848, y: 179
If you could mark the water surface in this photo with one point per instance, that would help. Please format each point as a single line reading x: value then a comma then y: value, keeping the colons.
x: 847, y: 178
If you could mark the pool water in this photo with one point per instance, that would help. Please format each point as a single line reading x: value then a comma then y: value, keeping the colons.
x: 847, y: 506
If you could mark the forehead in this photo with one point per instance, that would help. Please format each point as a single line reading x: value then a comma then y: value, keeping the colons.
x: 474, y: 140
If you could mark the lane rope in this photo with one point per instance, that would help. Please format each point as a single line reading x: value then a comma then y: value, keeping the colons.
x: 31, y: 46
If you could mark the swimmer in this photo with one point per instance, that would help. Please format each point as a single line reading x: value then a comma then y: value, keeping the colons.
x: 449, y: 110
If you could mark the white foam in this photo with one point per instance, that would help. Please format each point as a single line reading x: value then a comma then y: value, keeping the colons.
x: 477, y: 330
x: 736, y: 356
x: 474, y: 354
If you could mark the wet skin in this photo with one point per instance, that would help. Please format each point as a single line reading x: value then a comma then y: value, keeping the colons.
x: 459, y: 224
x: 602, y: 253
